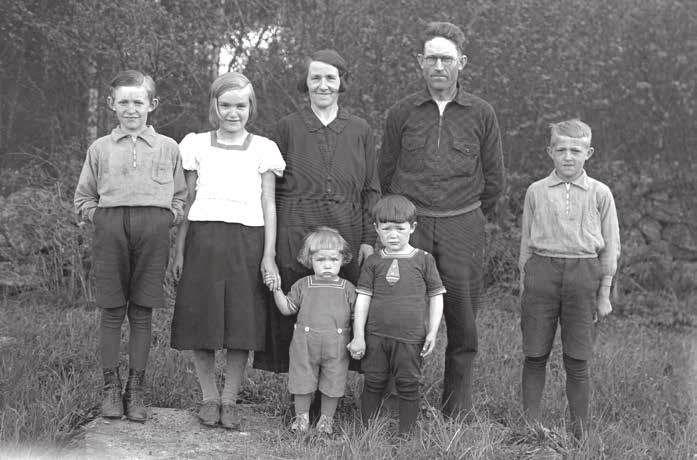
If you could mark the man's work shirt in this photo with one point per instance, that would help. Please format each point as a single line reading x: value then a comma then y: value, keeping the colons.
x: 445, y: 164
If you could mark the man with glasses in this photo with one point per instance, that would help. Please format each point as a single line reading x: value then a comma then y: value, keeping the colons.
x: 442, y: 149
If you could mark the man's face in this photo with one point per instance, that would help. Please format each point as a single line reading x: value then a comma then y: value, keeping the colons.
x: 569, y: 154
x: 441, y: 63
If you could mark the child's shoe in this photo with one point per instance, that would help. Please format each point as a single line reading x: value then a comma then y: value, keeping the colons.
x: 133, y: 396
x: 209, y: 413
x: 230, y: 416
x: 112, y: 406
x: 301, y: 424
x: 324, y: 425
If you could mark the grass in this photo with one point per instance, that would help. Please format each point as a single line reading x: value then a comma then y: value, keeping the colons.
x: 644, y: 391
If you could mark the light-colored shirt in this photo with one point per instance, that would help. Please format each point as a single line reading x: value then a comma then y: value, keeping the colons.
x: 131, y: 170
x: 228, y: 188
x: 574, y: 219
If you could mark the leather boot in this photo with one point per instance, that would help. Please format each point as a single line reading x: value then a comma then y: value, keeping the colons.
x: 133, y: 396
x: 112, y: 407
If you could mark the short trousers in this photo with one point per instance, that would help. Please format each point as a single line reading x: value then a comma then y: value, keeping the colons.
x: 385, y: 357
x: 131, y: 251
x: 318, y: 361
x: 560, y: 290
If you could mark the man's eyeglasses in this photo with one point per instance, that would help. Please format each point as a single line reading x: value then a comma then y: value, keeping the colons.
x: 432, y: 60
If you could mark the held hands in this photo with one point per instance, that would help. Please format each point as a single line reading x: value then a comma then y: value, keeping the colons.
x: 356, y: 348
x: 429, y: 345
x: 269, y: 271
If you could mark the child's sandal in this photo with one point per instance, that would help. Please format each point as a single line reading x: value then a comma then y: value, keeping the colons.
x: 301, y: 423
x: 230, y: 417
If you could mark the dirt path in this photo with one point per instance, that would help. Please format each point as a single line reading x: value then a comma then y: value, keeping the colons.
x: 175, y: 433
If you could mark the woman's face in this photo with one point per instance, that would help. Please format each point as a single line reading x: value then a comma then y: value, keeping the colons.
x: 323, y: 84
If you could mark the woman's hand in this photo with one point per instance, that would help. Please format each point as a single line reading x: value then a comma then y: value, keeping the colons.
x: 175, y: 268
x: 269, y: 271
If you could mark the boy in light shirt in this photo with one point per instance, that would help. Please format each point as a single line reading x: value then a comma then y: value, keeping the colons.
x: 569, y: 248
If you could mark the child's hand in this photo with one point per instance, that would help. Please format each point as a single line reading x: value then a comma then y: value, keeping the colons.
x: 175, y: 268
x: 429, y: 345
x: 604, y: 305
x: 356, y: 348
x: 269, y: 271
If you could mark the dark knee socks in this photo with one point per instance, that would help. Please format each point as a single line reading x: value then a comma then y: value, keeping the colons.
x: 577, y: 389
x: 110, y: 335
x: 577, y: 392
x: 534, y: 369
x: 371, y: 398
x: 408, y: 391
x: 140, y: 320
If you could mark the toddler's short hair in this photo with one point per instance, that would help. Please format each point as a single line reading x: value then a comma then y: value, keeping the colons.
x: 446, y: 30
x: 394, y: 208
x: 133, y: 78
x: 224, y: 83
x: 323, y: 238
x: 570, y: 128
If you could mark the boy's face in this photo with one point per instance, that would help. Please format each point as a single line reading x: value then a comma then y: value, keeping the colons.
x: 132, y: 106
x: 326, y: 263
x: 394, y: 236
x: 569, y: 154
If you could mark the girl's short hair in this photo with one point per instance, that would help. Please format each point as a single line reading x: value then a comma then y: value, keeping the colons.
x: 133, y: 78
x: 394, y: 208
x: 323, y: 238
x: 574, y: 128
x: 224, y: 83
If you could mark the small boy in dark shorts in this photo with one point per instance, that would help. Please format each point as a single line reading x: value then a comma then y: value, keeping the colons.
x: 569, y: 248
x: 398, y: 310
x: 132, y: 188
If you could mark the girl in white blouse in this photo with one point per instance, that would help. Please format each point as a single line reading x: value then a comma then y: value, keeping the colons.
x: 226, y: 245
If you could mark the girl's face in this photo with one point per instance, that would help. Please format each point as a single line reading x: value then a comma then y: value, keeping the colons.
x: 233, y: 110
x: 326, y: 263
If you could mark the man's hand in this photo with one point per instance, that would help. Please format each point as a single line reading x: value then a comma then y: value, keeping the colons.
x: 364, y: 252
x: 175, y: 268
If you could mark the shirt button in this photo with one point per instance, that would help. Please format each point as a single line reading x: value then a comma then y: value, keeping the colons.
x: 307, y: 329
x: 339, y: 330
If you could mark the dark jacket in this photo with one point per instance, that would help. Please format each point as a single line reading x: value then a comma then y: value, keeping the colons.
x: 445, y: 164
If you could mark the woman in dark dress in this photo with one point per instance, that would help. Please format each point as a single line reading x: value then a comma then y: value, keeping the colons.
x: 330, y: 179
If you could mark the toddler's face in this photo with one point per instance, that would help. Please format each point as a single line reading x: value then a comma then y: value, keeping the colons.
x: 132, y: 106
x: 233, y: 110
x: 395, y: 235
x: 326, y: 263
x: 569, y: 154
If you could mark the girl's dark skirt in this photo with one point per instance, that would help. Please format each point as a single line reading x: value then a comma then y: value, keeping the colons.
x: 221, y: 297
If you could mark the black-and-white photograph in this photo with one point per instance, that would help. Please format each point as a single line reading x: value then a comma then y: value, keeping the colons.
x: 352, y: 229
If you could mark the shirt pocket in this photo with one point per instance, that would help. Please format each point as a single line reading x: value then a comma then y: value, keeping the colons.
x: 413, y: 151
x: 591, y: 222
x: 464, y: 157
x: 162, y: 172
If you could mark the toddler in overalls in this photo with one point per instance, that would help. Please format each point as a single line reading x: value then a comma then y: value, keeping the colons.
x: 323, y: 302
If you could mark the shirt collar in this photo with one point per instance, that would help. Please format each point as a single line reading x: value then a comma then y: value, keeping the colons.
x: 581, y: 181
x: 147, y: 134
x: 462, y: 97
x: 313, y: 124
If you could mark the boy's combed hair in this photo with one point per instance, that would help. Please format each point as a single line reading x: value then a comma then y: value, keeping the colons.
x: 323, y: 238
x: 224, y: 83
x: 446, y: 30
x: 394, y: 208
x: 133, y: 78
x: 571, y: 128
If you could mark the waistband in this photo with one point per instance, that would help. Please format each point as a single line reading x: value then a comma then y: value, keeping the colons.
x: 340, y: 330
x: 455, y: 212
